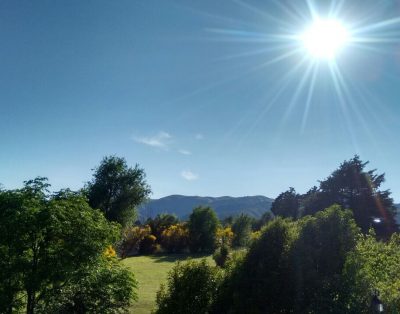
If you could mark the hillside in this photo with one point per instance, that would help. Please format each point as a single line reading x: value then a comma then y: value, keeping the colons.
x: 224, y: 206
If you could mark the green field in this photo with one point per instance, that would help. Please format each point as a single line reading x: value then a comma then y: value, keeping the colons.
x: 151, y: 271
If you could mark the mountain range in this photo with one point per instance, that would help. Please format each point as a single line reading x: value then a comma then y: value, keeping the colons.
x: 224, y: 206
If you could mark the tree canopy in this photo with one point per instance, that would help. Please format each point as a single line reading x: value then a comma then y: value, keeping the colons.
x: 287, y: 204
x: 353, y: 187
x: 350, y: 186
x: 117, y: 189
x: 203, y: 224
x: 52, y: 248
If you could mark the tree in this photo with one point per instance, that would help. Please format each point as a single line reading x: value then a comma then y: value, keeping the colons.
x: 258, y: 283
x: 353, y: 187
x: 264, y: 219
x: 203, y: 224
x: 191, y: 288
x: 46, y: 241
x: 317, y: 259
x: 241, y: 230
x: 287, y: 204
x: 117, y: 189
x: 294, y: 267
x: 373, y: 267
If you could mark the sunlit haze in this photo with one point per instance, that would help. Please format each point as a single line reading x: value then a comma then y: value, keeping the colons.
x: 213, y: 98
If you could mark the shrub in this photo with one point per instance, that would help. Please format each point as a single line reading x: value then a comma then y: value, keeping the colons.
x: 175, y: 238
x: 191, y: 288
x: 148, y: 244
x: 224, y: 236
x: 221, y: 255
x: 131, y: 239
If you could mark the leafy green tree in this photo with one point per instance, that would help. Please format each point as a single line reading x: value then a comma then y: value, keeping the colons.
x: 117, y: 189
x: 203, y: 224
x: 294, y: 267
x: 259, y: 283
x: 241, y: 228
x: 287, y: 204
x: 191, y: 288
x: 101, y: 287
x: 373, y: 267
x: 45, y: 241
x: 353, y: 187
x: 264, y: 219
x: 317, y: 258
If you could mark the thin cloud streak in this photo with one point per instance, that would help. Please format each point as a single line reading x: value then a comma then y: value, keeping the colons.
x: 189, y: 176
x: 184, y: 152
x: 160, y: 140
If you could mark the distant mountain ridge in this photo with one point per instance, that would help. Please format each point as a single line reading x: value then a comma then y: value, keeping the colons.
x: 224, y: 206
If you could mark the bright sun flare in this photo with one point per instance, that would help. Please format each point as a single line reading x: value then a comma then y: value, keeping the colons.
x: 324, y: 38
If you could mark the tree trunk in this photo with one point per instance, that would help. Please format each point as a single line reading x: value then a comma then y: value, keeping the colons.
x: 30, y: 305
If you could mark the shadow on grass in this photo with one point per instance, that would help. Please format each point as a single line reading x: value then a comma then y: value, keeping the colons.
x: 161, y: 258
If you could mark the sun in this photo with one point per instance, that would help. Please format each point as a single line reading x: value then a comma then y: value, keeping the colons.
x: 325, y: 38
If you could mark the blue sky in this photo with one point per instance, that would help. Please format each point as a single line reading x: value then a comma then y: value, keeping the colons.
x: 199, y: 93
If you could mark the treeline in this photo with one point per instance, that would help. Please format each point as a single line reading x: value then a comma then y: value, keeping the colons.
x: 202, y: 233
x: 352, y: 187
x: 316, y: 264
x: 334, y: 249
x: 60, y: 251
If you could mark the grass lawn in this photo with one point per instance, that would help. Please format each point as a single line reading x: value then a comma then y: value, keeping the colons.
x: 151, y: 271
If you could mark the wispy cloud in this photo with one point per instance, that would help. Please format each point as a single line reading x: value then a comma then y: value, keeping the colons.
x: 160, y: 140
x: 199, y: 136
x: 189, y: 176
x: 184, y: 152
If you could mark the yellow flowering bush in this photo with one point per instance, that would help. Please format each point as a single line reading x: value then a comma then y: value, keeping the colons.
x: 131, y: 239
x: 224, y: 236
x: 175, y: 238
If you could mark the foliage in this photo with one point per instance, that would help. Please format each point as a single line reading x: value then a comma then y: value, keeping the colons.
x: 264, y: 219
x: 374, y: 266
x: 47, y: 241
x: 102, y: 287
x: 117, y: 189
x: 259, y: 277
x: 355, y: 188
x: 191, y: 288
x: 148, y: 244
x: 160, y: 223
x: 287, y: 204
x: 224, y: 236
x: 221, y: 255
x: 131, y: 239
x: 294, y: 267
x: 255, y: 235
x: 151, y: 271
x: 203, y: 224
x: 175, y: 239
x: 241, y: 230
x: 109, y: 252
x: 317, y: 258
